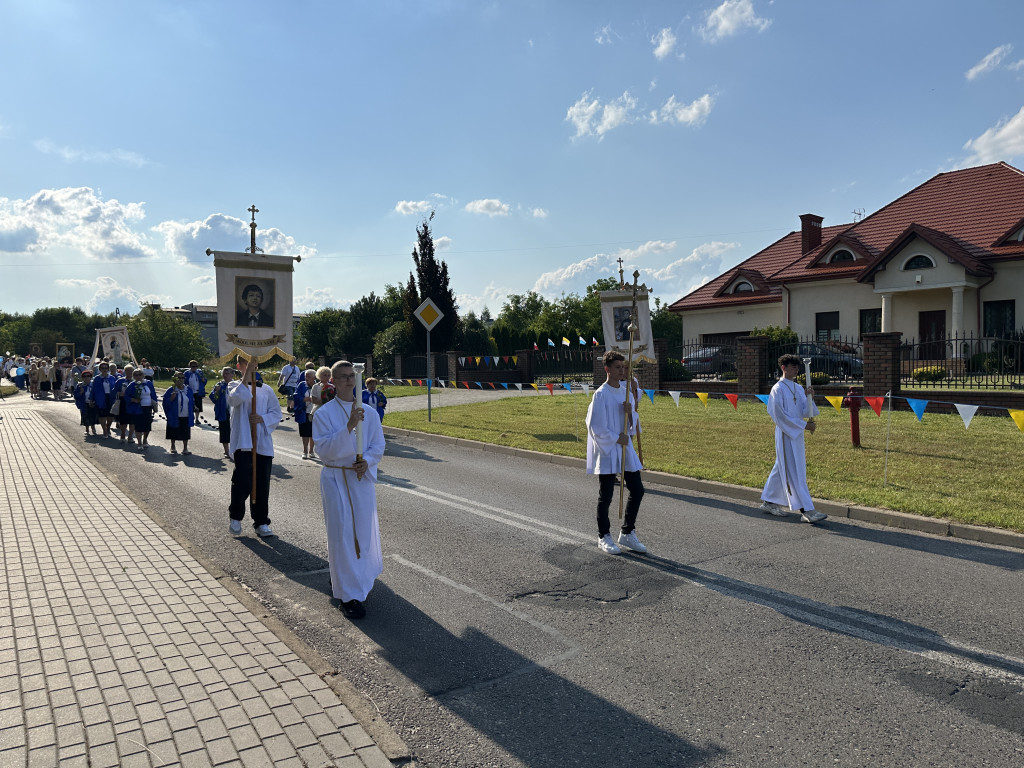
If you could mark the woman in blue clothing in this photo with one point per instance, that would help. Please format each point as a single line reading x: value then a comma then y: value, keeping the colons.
x: 140, y: 397
x: 195, y: 380
x: 221, y: 411
x: 301, y: 401
x: 124, y: 420
x: 103, y: 395
x: 85, y: 403
x: 178, y: 407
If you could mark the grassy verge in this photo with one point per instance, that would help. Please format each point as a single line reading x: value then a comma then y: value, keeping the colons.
x: 935, y: 467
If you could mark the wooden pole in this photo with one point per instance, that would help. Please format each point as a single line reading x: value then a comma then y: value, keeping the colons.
x: 626, y: 409
x: 252, y: 426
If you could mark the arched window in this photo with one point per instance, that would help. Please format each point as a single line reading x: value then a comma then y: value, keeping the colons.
x: 918, y: 262
x: 842, y: 255
x: 742, y: 287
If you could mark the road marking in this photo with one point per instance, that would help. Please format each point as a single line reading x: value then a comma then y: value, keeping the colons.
x: 878, y: 630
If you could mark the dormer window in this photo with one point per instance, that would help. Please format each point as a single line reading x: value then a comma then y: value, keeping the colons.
x: 841, y: 256
x: 743, y: 287
x: 918, y: 262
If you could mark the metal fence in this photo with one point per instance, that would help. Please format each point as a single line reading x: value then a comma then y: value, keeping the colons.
x: 841, y: 359
x: 697, y: 360
x: 415, y: 366
x: 563, y: 364
x: 963, y: 361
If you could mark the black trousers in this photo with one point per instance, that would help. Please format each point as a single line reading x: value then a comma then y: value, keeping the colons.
x: 241, y: 487
x: 604, y: 500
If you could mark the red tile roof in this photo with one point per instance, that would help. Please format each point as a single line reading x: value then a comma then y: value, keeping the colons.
x: 965, y: 213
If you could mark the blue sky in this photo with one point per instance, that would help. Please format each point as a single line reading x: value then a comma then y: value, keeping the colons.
x: 551, y: 138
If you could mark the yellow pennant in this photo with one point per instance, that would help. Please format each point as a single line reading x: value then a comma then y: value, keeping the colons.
x: 515, y: 359
x: 1018, y: 418
x: 837, y: 402
x: 409, y: 382
x: 477, y: 360
x: 703, y: 396
x: 535, y: 387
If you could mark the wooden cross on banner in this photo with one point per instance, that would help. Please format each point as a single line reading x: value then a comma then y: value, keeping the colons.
x: 252, y: 230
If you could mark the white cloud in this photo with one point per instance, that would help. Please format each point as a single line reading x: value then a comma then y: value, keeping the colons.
x: 107, y: 292
x: 1017, y: 66
x: 205, y: 280
x: 442, y: 243
x: 554, y: 282
x: 708, y: 255
x: 187, y: 241
x: 492, y: 297
x: 1004, y: 141
x: 663, y: 43
x: 591, y: 118
x: 77, y: 220
x: 410, y: 207
x: 312, y: 299
x: 731, y: 18
x: 489, y: 207
x: 538, y: 213
x: 675, y: 113
x: 72, y: 155
x: 990, y: 62
x: 603, y: 36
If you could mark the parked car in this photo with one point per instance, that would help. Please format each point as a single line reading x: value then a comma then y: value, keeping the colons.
x: 838, y: 365
x: 710, y: 360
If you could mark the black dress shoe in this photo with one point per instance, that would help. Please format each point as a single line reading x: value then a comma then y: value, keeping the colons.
x: 353, y: 609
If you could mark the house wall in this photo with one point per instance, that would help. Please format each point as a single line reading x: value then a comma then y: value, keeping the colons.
x: 733, y: 320
x: 1009, y: 284
x: 848, y: 297
x: 943, y: 274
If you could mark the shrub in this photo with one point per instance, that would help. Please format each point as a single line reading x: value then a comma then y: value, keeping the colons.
x: 929, y: 373
x: 729, y: 376
x: 676, y: 371
x: 817, y: 378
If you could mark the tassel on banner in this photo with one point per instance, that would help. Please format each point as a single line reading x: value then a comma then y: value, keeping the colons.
x: 734, y: 399
x: 876, y: 404
x: 966, y: 413
x: 1018, y: 418
x: 703, y: 397
x: 837, y: 402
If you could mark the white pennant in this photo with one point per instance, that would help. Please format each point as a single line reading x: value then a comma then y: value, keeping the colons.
x: 674, y: 396
x: 462, y: 361
x: 586, y: 389
x: 519, y: 387
x: 966, y: 413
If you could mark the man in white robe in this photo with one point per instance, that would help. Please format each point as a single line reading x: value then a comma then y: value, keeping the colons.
x: 788, y: 405
x: 612, y: 407
x: 348, y: 491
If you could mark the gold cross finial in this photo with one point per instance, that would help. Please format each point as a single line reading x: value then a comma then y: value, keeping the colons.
x: 252, y: 229
x: 621, y: 280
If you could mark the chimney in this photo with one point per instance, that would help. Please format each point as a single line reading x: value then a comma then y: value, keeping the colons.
x: 810, y: 232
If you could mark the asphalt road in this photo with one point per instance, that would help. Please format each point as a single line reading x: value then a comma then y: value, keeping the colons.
x: 498, y: 635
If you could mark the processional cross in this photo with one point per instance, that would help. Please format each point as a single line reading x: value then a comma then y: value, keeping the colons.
x: 252, y: 227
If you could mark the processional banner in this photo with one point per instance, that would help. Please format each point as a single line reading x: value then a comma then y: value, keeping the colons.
x: 254, y: 304
x: 616, y: 314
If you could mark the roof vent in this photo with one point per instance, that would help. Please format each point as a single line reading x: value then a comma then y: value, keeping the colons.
x: 810, y: 232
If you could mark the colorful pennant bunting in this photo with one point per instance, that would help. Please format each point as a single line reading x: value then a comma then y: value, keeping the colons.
x: 917, y: 406
x: 734, y: 399
x: 650, y: 395
x: 551, y: 388
x: 703, y: 397
x: 1018, y: 418
x: 837, y: 402
x: 876, y: 404
x: 966, y: 413
x: 675, y: 396
x: 762, y: 398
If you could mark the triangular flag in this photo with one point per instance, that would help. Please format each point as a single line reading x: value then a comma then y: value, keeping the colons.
x: 565, y: 342
x: 504, y: 358
x: 583, y: 342
x: 407, y: 381
x: 462, y: 361
x: 439, y: 381
x: 550, y: 342
x: 568, y: 387
x: 504, y: 385
x: 490, y: 384
x: 551, y: 388
x: 594, y: 340
x: 479, y: 384
x: 675, y: 396
x: 477, y: 360
x: 762, y: 398
x: 535, y: 387
x: 966, y: 413
x: 586, y: 389
x: 876, y: 404
x: 837, y: 402
x: 419, y: 383
x: 650, y: 395
x: 734, y: 399
x: 465, y: 384
x: 519, y: 386
x: 917, y: 406
x: 703, y: 397
x: 515, y: 359
x: 487, y: 360
x: 1018, y: 418
x: 535, y: 345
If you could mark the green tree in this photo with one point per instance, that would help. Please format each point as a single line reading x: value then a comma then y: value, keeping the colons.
x: 521, y: 310
x: 475, y: 339
x: 666, y: 325
x: 313, y: 335
x: 777, y: 334
x: 431, y: 282
x: 396, y: 340
x: 15, y: 334
x: 166, y: 340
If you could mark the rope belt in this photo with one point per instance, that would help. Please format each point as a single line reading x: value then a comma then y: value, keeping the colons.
x: 348, y: 491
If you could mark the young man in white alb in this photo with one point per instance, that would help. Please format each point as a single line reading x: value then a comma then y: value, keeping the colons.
x: 611, y: 424
x: 788, y: 405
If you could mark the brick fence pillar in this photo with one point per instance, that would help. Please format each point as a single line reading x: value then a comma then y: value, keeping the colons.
x: 368, y: 373
x: 398, y: 366
x: 453, y: 367
x: 599, y: 374
x: 752, y: 365
x: 881, y: 363
x: 524, y: 362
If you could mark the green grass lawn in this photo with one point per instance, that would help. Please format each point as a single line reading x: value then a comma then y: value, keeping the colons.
x: 935, y: 467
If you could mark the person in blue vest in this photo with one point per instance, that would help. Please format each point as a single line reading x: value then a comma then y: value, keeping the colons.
x: 140, y: 396
x: 180, y: 412
x: 221, y: 411
x: 85, y: 403
x: 125, y: 427
x: 301, y: 401
x: 374, y: 398
x: 103, y: 395
x: 195, y: 380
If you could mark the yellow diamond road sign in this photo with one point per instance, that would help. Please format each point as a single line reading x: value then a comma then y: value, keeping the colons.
x: 428, y: 314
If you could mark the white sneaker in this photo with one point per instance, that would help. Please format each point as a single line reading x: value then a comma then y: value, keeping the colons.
x: 235, y: 526
x: 630, y: 541
x: 312, y: 455
x: 812, y: 516
x: 771, y: 508
x: 609, y: 547
x: 305, y: 455
x: 264, y: 531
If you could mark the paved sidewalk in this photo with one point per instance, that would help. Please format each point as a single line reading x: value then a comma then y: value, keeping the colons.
x: 117, y: 648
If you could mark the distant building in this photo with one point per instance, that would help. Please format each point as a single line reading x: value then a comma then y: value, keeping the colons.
x: 944, y: 260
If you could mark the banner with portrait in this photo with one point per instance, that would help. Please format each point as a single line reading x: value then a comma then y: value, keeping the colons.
x: 616, y: 315
x: 113, y: 342
x: 254, y: 305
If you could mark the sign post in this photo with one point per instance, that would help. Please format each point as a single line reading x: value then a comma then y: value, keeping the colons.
x: 428, y: 314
